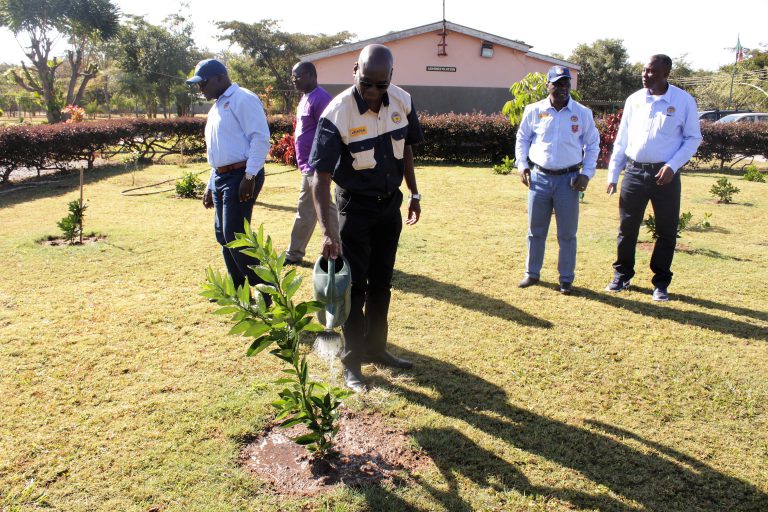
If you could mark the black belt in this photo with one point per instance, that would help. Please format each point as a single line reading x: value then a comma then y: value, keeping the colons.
x: 645, y: 167
x: 558, y: 172
x: 374, y: 197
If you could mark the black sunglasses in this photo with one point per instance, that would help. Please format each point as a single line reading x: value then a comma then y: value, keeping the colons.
x: 381, y: 86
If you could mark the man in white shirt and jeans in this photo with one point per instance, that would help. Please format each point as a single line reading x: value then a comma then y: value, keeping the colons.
x: 237, y: 142
x: 658, y: 134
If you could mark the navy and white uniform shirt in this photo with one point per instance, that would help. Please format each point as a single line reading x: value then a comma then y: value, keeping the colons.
x: 656, y: 129
x: 558, y: 139
x: 363, y: 149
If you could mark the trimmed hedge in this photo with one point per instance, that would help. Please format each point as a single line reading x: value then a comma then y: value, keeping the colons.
x: 462, y: 138
x: 466, y: 138
x: 724, y: 142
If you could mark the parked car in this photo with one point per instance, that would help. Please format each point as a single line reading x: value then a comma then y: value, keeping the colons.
x: 714, y: 115
x: 745, y: 117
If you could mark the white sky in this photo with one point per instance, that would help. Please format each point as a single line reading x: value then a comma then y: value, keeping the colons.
x: 704, y: 30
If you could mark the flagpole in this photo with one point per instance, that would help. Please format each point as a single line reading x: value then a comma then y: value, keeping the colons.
x: 733, y: 73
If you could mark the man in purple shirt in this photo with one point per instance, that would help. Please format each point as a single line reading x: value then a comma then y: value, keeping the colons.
x: 313, y: 102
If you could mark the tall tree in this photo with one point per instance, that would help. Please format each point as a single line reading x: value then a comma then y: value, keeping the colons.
x: 155, y: 60
x: 278, y: 51
x: 38, y: 25
x: 605, y: 70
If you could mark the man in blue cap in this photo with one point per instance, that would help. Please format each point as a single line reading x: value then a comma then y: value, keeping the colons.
x: 237, y: 141
x: 557, y: 136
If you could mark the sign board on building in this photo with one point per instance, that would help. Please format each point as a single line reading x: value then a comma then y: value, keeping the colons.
x: 450, y: 69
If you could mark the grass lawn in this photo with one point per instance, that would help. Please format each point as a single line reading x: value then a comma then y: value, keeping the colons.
x: 120, y: 391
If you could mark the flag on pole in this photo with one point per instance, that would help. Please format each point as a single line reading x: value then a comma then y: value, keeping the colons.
x: 739, y: 50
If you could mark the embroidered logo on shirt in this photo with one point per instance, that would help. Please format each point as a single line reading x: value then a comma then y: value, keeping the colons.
x: 670, y: 111
x: 396, y: 117
x: 357, y: 132
x: 574, y: 119
x: 574, y: 128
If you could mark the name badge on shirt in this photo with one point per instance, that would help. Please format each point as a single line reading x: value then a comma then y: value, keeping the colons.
x: 359, y: 131
x: 543, y: 115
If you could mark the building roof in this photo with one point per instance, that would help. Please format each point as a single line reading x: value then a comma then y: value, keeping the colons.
x: 433, y: 27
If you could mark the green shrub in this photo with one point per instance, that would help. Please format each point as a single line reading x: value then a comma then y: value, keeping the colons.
x: 723, y: 190
x: 72, y: 225
x: 506, y: 166
x: 281, y: 323
x: 683, y: 223
x: 753, y: 174
x: 190, y: 186
x: 705, y: 222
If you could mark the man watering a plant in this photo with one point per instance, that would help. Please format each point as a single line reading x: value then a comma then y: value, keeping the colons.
x: 363, y: 143
x: 237, y: 140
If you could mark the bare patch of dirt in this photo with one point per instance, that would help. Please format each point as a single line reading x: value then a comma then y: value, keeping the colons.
x: 648, y: 246
x: 369, y: 453
x: 59, y: 241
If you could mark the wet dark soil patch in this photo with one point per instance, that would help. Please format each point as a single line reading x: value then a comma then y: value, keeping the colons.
x: 370, y: 453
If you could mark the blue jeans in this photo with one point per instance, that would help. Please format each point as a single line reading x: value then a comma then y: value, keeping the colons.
x: 230, y: 213
x: 548, y: 192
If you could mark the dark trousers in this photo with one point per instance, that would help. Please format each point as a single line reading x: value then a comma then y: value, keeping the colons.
x: 230, y: 213
x: 637, y: 188
x: 370, y: 230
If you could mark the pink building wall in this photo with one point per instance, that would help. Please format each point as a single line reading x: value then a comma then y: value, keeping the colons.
x: 413, y: 54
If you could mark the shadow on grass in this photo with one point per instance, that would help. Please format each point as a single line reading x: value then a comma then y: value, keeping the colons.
x: 60, y: 184
x: 736, y: 328
x: 458, y: 296
x: 275, y: 207
x: 709, y: 253
x: 656, y: 478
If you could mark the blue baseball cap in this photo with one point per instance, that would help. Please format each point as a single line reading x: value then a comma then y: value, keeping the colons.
x: 557, y: 72
x: 207, y: 69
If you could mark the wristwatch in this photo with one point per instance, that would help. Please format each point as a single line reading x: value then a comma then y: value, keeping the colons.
x: 416, y: 197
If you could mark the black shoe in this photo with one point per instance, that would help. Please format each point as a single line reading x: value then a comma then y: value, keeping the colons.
x: 566, y: 288
x: 528, y: 281
x: 660, y: 295
x: 387, y: 359
x: 291, y: 262
x: 353, y: 378
x: 617, y: 285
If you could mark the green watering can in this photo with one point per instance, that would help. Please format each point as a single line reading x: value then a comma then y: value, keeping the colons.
x: 334, y: 287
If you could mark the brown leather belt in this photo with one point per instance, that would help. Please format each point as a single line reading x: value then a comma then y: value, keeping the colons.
x: 231, y: 167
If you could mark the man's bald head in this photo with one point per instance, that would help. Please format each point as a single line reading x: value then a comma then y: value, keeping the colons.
x: 376, y: 58
x: 373, y: 73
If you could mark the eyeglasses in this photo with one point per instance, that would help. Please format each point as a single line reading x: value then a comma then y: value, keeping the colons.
x: 367, y: 85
